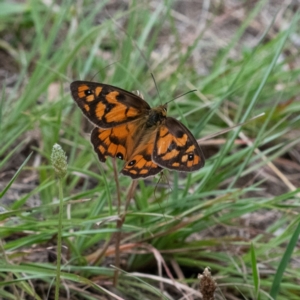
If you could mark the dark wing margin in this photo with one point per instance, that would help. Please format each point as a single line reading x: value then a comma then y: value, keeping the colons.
x: 107, y: 106
x: 176, y: 148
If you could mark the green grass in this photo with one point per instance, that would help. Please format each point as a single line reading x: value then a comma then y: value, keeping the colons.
x: 174, y: 227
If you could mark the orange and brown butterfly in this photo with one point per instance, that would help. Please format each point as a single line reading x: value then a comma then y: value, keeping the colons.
x: 129, y: 129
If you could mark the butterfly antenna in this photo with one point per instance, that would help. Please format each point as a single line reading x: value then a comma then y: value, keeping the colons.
x: 192, y: 91
x: 156, y: 87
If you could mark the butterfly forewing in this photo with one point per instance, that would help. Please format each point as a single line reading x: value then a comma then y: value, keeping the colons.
x: 176, y: 148
x: 107, y: 106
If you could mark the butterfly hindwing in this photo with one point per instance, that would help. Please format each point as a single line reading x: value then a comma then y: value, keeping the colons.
x: 176, y: 148
x: 115, y: 142
x: 140, y: 163
x: 107, y: 106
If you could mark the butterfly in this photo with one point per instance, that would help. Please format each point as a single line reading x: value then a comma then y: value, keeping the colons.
x: 129, y: 129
